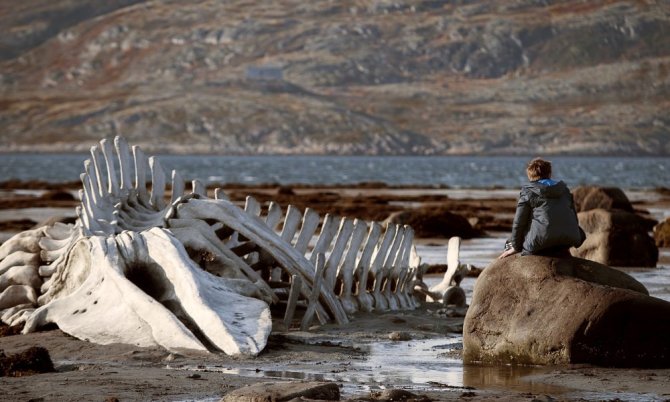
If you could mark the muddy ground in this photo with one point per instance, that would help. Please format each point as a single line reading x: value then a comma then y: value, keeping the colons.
x: 342, y: 354
x: 330, y: 353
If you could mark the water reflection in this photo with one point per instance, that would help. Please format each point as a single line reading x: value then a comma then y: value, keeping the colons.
x: 656, y: 280
x: 421, y: 365
x: 417, y: 364
x: 509, y: 378
x: 296, y: 375
x: 412, y: 362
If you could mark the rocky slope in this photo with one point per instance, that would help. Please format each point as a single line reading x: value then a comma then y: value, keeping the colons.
x: 351, y: 76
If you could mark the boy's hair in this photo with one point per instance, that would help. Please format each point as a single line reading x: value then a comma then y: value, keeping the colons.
x: 538, y: 169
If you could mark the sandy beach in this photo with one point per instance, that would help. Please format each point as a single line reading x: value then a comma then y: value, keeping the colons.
x: 419, y: 351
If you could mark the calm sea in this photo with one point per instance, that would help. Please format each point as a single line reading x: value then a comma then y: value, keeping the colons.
x: 454, y: 171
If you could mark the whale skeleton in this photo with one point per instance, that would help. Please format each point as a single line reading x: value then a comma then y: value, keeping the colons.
x: 146, y: 266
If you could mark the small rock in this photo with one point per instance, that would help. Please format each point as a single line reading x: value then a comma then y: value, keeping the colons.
x: 31, y: 361
x: 543, y: 398
x: 284, y: 392
x: 662, y: 233
x: 456, y: 329
x: 285, y: 190
x: 394, y: 395
x: 399, y: 336
x: 434, y: 223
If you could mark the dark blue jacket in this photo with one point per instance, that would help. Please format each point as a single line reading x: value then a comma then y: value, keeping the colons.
x: 545, y: 218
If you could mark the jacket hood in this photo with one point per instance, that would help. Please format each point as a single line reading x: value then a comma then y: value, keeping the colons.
x: 548, y: 191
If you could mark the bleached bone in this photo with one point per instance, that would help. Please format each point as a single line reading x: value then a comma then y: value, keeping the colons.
x: 20, y: 316
x: 412, y: 261
x: 255, y: 230
x: 274, y: 215
x: 291, y: 222
x: 452, y: 266
x: 328, y: 230
x: 110, y: 205
x: 310, y: 221
x: 19, y: 258
x: 219, y: 194
x: 252, y: 207
x: 20, y: 275
x: 333, y: 261
x: 448, y: 290
x: 123, y: 152
x: 379, y: 254
x: 294, y: 294
x: 17, y: 294
x: 26, y: 242
x: 197, y: 234
x: 345, y: 272
x: 191, y: 272
x: 198, y: 188
x: 378, y: 266
x: 120, y: 284
x: 364, y: 298
x: 394, y: 289
x: 391, y: 303
x: 8, y: 314
x: 316, y: 290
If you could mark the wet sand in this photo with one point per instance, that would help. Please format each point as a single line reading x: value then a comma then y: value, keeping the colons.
x: 359, y: 357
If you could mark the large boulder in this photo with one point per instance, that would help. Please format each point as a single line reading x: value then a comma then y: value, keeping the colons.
x: 435, y: 223
x: 662, y: 233
x: 594, y: 197
x: 616, y: 238
x: 543, y: 310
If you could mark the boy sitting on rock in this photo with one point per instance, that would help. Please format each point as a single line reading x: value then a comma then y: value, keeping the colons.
x: 545, y: 222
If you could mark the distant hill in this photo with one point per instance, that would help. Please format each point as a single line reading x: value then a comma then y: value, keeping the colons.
x: 337, y: 77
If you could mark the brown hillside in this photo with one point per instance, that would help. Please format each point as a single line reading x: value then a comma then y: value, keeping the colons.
x: 383, y: 77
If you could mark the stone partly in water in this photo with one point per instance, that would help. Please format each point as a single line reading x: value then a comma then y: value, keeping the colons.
x: 594, y: 197
x: 434, y: 223
x: 662, y: 233
x: 616, y: 235
x: 284, y: 391
x: 616, y: 238
x: 542, y: 310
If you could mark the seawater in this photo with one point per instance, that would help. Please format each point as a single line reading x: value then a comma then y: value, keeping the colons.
x: 480, y: 252
x: 454, y: 171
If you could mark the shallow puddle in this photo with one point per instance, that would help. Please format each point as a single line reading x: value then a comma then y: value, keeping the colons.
x: 417, y: 365
x: 423, y: 366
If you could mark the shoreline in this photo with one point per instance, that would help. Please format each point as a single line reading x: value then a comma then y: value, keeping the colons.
x: 94, y: 372
x: 21, y: 184
x: 487, y: 209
